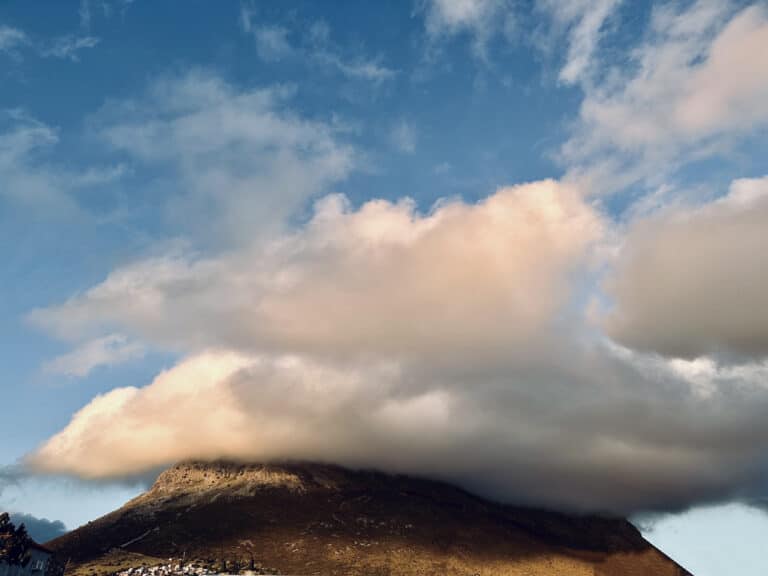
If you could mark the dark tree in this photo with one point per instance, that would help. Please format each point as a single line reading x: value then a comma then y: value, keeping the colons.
x: 6, y: 526
x: 14, y: 542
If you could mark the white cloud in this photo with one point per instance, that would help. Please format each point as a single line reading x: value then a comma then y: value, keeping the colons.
x: 272, y: 43
x: 239, y: 159
x: 403, y: 137
x: 105, y: 351
x: 689, y: 89
x: 692, y: 282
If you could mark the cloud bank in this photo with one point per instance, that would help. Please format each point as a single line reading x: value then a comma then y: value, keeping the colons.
x: 104, y: 351
x: 40, y: 529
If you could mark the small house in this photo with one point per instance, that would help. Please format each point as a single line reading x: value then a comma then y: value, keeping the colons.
x: 40, y: 560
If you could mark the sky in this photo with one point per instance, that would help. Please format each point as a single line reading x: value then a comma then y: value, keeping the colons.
x: 518, y: 246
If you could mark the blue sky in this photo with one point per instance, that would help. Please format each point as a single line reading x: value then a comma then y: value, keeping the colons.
x: 543, y: 219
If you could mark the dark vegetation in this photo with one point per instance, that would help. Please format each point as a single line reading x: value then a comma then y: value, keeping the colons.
x: 15, y: 543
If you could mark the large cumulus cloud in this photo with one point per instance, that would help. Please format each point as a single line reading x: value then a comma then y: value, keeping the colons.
x: 489, y: 278
x: 452, y: 343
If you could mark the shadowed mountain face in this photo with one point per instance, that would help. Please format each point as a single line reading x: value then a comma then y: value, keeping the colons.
x: 319, y: 519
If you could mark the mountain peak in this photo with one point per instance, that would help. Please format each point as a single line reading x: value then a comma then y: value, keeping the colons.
x: 308, y: 518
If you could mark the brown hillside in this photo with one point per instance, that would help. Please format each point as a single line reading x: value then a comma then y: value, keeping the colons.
x: 318, y: 519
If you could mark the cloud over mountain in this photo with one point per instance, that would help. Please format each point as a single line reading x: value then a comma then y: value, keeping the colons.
x: 452, y: 343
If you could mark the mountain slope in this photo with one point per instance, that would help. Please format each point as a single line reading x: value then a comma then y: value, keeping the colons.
x: 318, y: 519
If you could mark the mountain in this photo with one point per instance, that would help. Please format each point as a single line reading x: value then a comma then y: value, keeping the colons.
x: 299, y: 518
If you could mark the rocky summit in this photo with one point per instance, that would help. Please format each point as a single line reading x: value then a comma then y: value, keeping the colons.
x: 299, y: 518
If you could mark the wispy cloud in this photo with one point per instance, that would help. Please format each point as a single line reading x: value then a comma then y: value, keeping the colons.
x: 243, y: 154
x: 26, y: 181
x: 480, y: 19
x: 583, y: 22
x: 85, y: 14
x: 360, y: 69
x: 404, y: 137
x: 11, y: 39
x: 109, y: 7
x: 68, y: 46
x: 108, y: 350
x: 273, y: 44
x: 31, y: 181
x: 246, y: 16
x: 692, y: 87
x: 10, y: 475
x: 14, y: 42
x: 322, y: 50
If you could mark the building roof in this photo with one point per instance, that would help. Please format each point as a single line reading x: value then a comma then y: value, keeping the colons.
x: 34, y: 545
